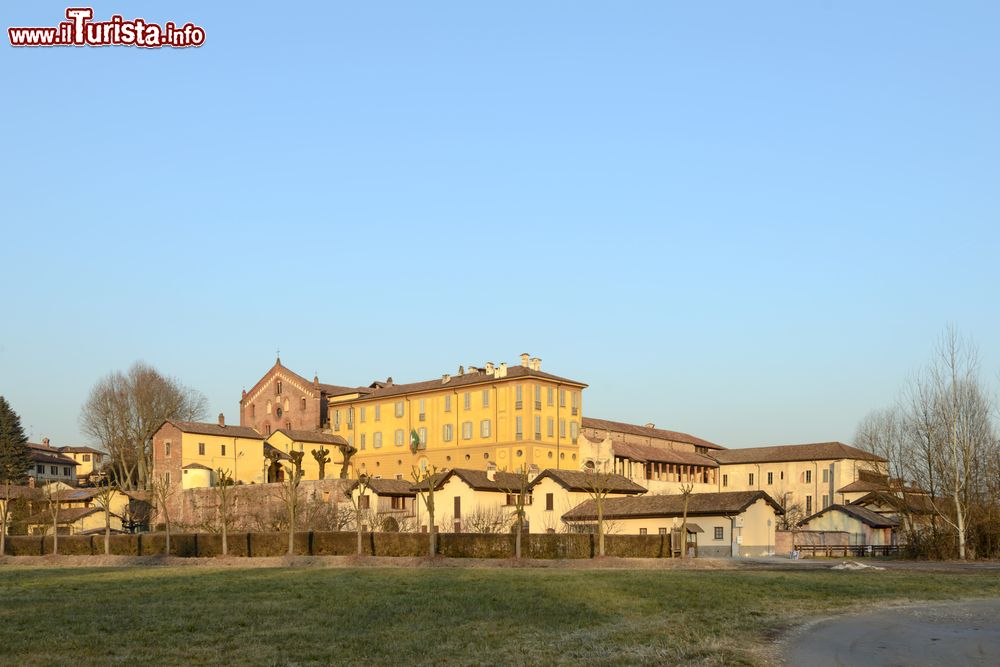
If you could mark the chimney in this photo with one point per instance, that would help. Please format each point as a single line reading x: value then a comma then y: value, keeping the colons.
x: 461, y: 370
x: 388, y: 380
x: 316, y: 380
x: 489, y: 368
x: 445, y: 379
x: 524, y: 359
x: 491, y: 471
x: 650, y: 425
x: 536, y: 364
x: 45, y: 442
x: 502, y: 370
x: 222, y: 419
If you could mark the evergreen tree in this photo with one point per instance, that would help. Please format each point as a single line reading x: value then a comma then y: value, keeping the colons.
x: 14, y: 461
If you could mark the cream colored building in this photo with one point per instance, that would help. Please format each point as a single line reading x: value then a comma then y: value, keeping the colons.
x: 807, y: 476
x: 555, y: 492
x: 739, y: 523
x: 89, y: 461
x: 387, y: 505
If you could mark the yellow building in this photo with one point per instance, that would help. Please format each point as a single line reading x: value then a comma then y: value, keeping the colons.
x: 511, y: 416
x: 89, y: 461
x: 863, y: 526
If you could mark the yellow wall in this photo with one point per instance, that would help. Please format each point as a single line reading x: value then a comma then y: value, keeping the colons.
x: 243, y: 457
x: 789, y: 478
x: 501, y: 446
x: 860, y: 532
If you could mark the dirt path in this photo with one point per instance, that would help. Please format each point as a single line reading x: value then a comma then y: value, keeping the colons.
x: 934, y: 634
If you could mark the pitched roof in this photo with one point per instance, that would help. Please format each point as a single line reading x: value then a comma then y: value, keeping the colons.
x: 818, y: 451
x: 659, y: 454
x: 580, y: 480
x: 21, y: 491
x: 914, y: 503
x: 80, y: 450
x: 388, y: 487
x: 208, y: 428
x: 635, y: 429
x: 42, y: 454
x: 864, y: 485
x: 66, y: 515
x: 313, y: 436
x: 699, y: 504
x: 863, y: 514
x: 196, y: 466
x: 476, y: 479
x: 470, y: 378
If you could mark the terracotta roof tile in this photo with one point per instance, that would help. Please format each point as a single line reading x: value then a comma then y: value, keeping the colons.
x: 660, y: 455
x: 313, y: 436
x: 581, y: 480
x: 699, y: 504
x: 863, y: 514
x: 818, y: 451
x: 635, y: 429
x: 203, y: 428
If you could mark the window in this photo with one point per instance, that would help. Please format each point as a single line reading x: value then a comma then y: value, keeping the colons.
x: 466, y: 430
x: 267, y: 429
x: 447, y: 433
x: 576, y: 403
x: 458, y: 507
x: 336, y: 420
x: 550, y: 502
x: 781, y: 475
x: 562, y: 398
x: 770, y: 478
x: 549, y: 395
x: 422, y: 415
x: 303, y: 407
x: 562, y: 428
x: 550, y: 427
x: 538, y: 397
x: 400, y: 410
x: 350, y: 417
x: 518, y: 427
x: 378, y: 413
x: 361, y: 414
x: 484, y: 428
x: 201, y: 449
x: 826, y: 475
x: 447, y: 403
x: 377, y: 440
x: 365, y: 502
x: 66, y: 471
x: 398, y: 503
x: 538, y: 427
x: 166, y: 478
x: 363, y: 435
x: 574, y: 431
x: 53, y: 470
x: 718, y: 533
x: 486, y: 398
x: 809, y: 476
x: 826, y: 501
x: 517, y: 397
x: 222, y: 449
x: 399, y: 437
x: 809, y: 505
x: 166, y: 450
x: 725, y: 480
x: 422, y: 434
x: 751, y: 479
x: 86, y: 458
x: 467, y: 400
x: 642, y: 531
x: 278, y: 387
x: 40, y: 470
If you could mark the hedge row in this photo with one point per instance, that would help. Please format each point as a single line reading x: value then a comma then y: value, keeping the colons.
x: 454, y: 545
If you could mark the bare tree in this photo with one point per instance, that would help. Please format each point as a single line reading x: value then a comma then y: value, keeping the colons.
x: 162, y: 491
x: 322, y: 456
x: 223, y: 496
x: 290, y: 497
x: 360, y: 507
x: 124, y: 410
x: 104, y: 497
x: 424, y: 482
x: 517, y: 491
x: 53, y: 498
x: 486, y: 519
x: 598, y: 486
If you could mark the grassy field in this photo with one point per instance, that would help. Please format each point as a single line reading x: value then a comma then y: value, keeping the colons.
x: 422, y: 615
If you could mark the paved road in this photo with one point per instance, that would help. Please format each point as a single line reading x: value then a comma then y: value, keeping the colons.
x: 950, y: 634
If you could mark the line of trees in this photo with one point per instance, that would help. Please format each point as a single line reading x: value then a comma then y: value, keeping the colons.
x: 940, y: 437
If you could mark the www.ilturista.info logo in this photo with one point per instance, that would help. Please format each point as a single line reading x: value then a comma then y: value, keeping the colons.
x: 80, y: 30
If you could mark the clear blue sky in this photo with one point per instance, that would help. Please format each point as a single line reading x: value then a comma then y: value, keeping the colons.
x: 748, y: 221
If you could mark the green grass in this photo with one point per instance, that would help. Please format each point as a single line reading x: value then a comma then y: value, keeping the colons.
x: 462, y: 616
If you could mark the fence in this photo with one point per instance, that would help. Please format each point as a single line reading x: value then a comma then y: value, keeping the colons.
x: 845, y: 551
x: 453, y: 545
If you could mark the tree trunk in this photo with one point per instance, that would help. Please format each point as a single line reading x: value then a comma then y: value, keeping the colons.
x: 431, y: 531
x: 517, y: 538
x: 960, y: 520
x: 291, y: 531
x: 225, y: 536
x: 167, y: 526
x: 361, y: 549
x: 600, y: 528
x: 107, y: 531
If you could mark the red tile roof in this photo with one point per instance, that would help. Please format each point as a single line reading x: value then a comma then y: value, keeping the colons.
x: 313, y: 436
x: 210, y: 428
x: 654, y: 506
x: 658, y: 433
x: 660, y: 454
x: 819, y: 451
x: 863, y: 514
x: 581, y: 480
